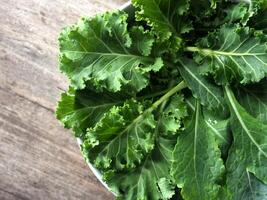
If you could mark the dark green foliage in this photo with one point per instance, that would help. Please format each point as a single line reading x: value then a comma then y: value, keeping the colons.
x: 171, y: 104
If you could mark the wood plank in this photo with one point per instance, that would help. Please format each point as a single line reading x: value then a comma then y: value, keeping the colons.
x: 39, y: 159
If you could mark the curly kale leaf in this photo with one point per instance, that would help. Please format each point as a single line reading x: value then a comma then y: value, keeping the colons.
x: 171, y: 103
x: 233, y: 54
x: 151, y: 179
x: 100, y: 51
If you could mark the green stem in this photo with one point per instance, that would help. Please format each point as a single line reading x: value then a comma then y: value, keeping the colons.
x: 210, y: 52
x: 192, y: 49
x: 171, y: 92
x: 163, y: 104
x: 197, y: 49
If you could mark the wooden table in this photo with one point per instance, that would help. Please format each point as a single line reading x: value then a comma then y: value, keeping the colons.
x: 38, y: 158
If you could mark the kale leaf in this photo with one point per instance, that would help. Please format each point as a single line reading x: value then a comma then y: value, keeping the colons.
x: 171, y: 103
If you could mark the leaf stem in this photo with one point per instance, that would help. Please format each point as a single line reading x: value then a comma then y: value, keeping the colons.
x: 197, y: 49
x: 163, y: 104
x: 192, y: 49
x: 171, y: 92
x: 211, y: 52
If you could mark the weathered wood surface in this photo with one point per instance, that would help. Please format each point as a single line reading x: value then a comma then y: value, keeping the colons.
x: 38, y: 158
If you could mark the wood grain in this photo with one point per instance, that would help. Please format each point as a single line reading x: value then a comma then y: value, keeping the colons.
x: 38, y: 158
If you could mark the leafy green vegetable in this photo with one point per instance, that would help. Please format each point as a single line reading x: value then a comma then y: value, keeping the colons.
x: 259, y: 21
x: 152, y: 179
x: 121, y: 136
x: 218, y: 125
x: 92, y: 50
x: 171, y: 103
x: 165, y: 17
x: 236, y: 12
x: 254, y: 99
x: 209, y: 94
x: 248, y: 152
x: 233, y: 53
x: 79, y: 109
x: 195, y: 156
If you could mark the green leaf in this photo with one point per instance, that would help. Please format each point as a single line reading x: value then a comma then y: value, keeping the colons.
x: 254, y: 7
x: 164, y: 16
x: 171, y: 119
x: 84, y: 108
x: 202, y: 8
x: 100, y: 51
x: 121, y: 137
x: 124, y: 134
x: 218, y: 125
x: 254, y: 99
x: 226, y: 14
x: 259, y: 21
x: 151, y: 180
x: 233, y: 54
x: 197, y: 165
x: 209, y: 94
x: 220, y: 128
x: 248, y: 154
x: 255, y: 190
x: 236, y: 13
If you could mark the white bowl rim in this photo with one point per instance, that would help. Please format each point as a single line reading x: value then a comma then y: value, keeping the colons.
x: 96, y: 172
